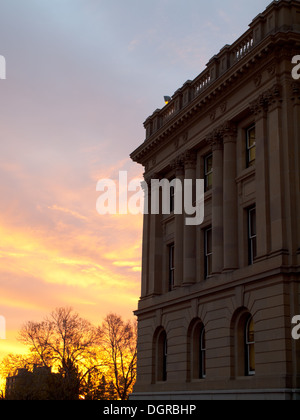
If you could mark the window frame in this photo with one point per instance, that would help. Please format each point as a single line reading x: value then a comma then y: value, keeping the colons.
x: 208, y: 173
x: 252, y: 237
x: 207, y: 255
x: 171, y: 267
x: 165, y: 359
x: 249, y: 348
x: 172, y: 195
x: 250, y: 162
x: 202, y: 354
x: 196, y: 351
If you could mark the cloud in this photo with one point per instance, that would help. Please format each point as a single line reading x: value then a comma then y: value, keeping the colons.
x: 67, y: 211
x: 224, y: 16
x: 81, y: 79
x: 133, y: 44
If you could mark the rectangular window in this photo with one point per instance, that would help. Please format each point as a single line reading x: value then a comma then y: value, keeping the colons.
x: 208, y: 172
x: 208, y: 252
x: 252, y: 251
x: 171, y: 267
x: 172, y: 198
x: 250, y: 146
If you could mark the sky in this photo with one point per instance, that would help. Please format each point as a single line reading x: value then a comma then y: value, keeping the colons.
x: 82, y: 77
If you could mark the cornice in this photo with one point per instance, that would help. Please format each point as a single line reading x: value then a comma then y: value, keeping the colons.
x: 210, y: 96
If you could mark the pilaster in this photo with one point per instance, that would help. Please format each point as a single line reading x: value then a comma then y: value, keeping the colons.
x: 295, y: 97
x: 189, y: 240
x: 276, y: 179
x: 259, y: 109
x: 177, y: 164
x: 216, y: 142
x: 230, y: 214
x: 155, y: 251
x: 146, y: 235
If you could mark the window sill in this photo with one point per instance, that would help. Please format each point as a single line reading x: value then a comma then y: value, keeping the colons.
x: 197, y: 381
x: 246, y: 173
x: 168, y: 217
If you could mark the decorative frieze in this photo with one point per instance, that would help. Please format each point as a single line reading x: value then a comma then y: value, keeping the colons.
x: 215, y: 140
x: 223, y: 107
x: 225, y: 132
x: 295, y: 91
x: 189, y: 158
x: 269, y: 99
x: 257, y: 80
x: 228, y: 131
x: 177, y: 164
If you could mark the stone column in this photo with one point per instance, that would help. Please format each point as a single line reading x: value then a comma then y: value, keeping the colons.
x: 230, y: 215
x: 189, y: 239
x: 296, y: 136
x: 259, y: 109
x: 179, y: 226
x: 216, y: 143
x: 276, y: 176
x: 146, y: 235
x: 155, y: 251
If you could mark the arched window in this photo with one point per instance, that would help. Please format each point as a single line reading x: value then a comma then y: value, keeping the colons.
x: 243, y: 344
x: 196, y: 351
x: 160, y: 356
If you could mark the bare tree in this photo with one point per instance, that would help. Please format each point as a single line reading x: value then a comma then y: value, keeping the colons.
x: 36, y: 335
x: 64, y: 341
x: 95, y: 362
x: 119, y: 349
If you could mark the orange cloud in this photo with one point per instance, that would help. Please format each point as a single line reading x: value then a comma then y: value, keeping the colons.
x: 93, y: 268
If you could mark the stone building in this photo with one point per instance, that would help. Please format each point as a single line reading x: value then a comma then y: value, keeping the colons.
x: 218, y: 299
x: 27, y: 385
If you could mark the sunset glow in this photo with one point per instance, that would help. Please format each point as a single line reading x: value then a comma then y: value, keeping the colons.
x: 81, y: 77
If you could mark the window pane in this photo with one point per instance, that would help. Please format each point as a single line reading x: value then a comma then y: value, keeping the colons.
x: 208, y: 170
x: 254, y: 248
x: 208, y: 252
x: 172, y: 199
x: 252, y: 221
x: 202, y: 356
x: 208, y: 242
x: 209, y: 182
x: 171, y: 266
x: 209, y: 265
x: 209, y: 161
x: 165, y: 356
x: 250, y: 347
x: 250, y: 332
x: 251, y: 146
x: 251, y: 137
x: 202, y: 340
x: 252, y: 156
x: 252, y: 245
x: 251, y: 359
